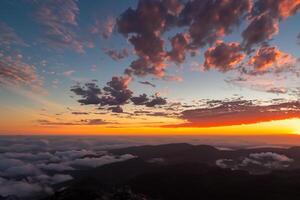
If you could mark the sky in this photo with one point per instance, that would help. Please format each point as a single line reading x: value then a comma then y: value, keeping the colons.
x: 150, y: 67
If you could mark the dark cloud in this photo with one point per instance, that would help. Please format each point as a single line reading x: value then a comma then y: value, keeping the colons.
x: 174, y: 6
x: 149, y: 102
x: 180, y: 44
x: 80, y: 113
x: 209, y: 20
x: 265, y: 17
x: 116, y: 55
x: 223, y: 56
x: 143, y: 67
x: 116, y: 92
x: 117, y: 109
x: 206, y: 21
x: 140, y: 100
x: 143, y: 27
x: 261, y: 28
x: 237, y: 112
x: 54, y: 123
x: 94, y: 122
x: 156, y: 101
x: 73, y: 123
x: 89, y: 92
x: 147, y: 83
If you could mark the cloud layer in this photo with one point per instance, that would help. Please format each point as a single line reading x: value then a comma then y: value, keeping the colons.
x: 238, y: 112
x: 32, y: 166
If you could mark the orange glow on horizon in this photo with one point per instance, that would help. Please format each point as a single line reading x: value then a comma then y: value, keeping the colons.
x: 266, y: 128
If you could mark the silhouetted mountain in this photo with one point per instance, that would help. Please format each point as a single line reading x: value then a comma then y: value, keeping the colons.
x: 183, y: 171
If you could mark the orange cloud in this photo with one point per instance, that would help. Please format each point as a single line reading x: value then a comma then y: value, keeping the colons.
x: 223, y: 56
x: 267, y: 57
x: 237, y: 113
x: 288, y: 7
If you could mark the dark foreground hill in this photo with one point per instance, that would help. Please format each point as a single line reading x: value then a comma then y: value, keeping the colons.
x: 184, y: 172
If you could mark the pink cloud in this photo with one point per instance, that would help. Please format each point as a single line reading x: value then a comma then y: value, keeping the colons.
x: 104, y: 29
x: 15, y: 72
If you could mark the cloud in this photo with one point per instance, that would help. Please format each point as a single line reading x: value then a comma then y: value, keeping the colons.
x: 23, y: 170
x: 205, y: 22
x: 51, y: 180
x: 270, y: 57
x: 140, y: 100
x: 172, y: 78
x: 104, y: 29
x: 149, y: 102
x: 115, y: 94
x: 116, y: 55
x: 281, y: 9
x: 45, y: 122
x: 89, y: 92
x: 87, y: 122
x: 143, y: 66
x: 223, y: 56
x: 59, y: 167
x: 72, y: 154
x: 59, y: 178
x: 174, y: 6
x: 95, y: 122
x: 7, y: 163
x: 180, y: 44
x: 9, y: 37
x: 261, y: 28
x: 264, y: 160
x: 277, y: 90
x: 156, y: 101
x: 263, y: 83
x: 265, y: 17
x: 22, y: 188
x: 29, y: 156
x: 224, y: 163
x: 147, y: 83
x: 271, y: 156
x: 80, y: 113
x: 117, y: 109
x: 103, y: 160
x: 209, y: 20
x: 14, y: 72
x: 30, y: 166
x: 68, y: 73
x: 143, y: 27
x: 237, y: 112
x: 116, y: 91
x: 59, y: 18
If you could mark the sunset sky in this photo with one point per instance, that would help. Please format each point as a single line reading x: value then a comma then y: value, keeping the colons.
x: 149, y: 67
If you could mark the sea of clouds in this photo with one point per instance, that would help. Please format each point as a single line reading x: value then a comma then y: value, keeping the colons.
x: 30, y: 166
